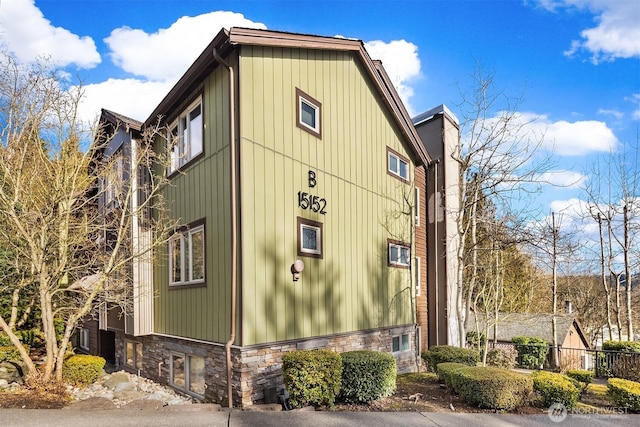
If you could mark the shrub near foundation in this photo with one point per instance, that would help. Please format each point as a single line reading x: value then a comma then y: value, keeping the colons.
x: 312, y: 377
x: 82, y: 369
x: 624, y: 393
x: 446, y: 353
x: 494, y: 388
x: 367, y: 375
x: 446, y: 370
x: 556, y: 388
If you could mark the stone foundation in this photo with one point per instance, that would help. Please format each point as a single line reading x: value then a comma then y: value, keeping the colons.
x: 257, y: 370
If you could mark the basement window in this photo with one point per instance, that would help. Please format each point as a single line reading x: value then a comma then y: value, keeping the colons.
x: 400, y: 343
x: 134, y: 354
x: 187, y: 373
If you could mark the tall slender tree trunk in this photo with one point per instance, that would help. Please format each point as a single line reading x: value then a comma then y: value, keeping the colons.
x: 627, y: 271
x: 603, y: 276
x: 554, y: 261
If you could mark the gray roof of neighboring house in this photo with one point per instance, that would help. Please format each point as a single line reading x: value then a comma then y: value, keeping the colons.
x: 530, y: 325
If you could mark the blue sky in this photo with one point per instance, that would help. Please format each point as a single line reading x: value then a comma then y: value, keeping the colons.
x: 577, y: 62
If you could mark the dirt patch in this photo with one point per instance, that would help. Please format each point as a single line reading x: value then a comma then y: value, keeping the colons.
x: 30, y: 399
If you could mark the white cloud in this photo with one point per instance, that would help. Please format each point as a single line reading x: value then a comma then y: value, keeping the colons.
x: 167, y: 53
x: 615, y: 113
x: 635, y: 99
x: 573, y: 138
x: 564, y: 178
x: 617, y: 33
x: 131, y: 97
x: 27, y: 34
x: 402, y: 64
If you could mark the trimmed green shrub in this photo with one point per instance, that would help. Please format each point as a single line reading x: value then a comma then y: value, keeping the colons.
x: 532, y: 351
x: 367, y: 376
x: 447, y: 353
x: 495, y: 388
x: 500, y: 358
x: 312, y: 377
x: 625, y: 346
x: 10, y: 353
x: 446, y: 369
x: 585, y: 377
x: 624, y: 393
x: 556, y: 388
x: 82, y: 369
x: 4, y: 340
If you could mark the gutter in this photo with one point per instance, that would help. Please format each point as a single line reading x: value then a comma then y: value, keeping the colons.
x: 234, y: 225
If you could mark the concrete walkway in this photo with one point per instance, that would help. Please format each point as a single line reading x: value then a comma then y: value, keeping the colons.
x: 236, y: 418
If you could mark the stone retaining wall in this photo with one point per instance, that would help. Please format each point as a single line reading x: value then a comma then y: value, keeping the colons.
x: 257, y: 370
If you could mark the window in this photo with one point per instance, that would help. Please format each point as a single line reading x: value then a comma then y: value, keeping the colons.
x: 185, y: 139
x: 133, y: 354
x: 309, y: 238
x: 400, y: 343
x: 398, y: 254
x: 187, y: 373
x: 416, y: 267
x: 113, y: 181
x: 84, y: 339
x: 417, y: 206
x: 308, y: 113
x: 397, y: 165
x: 186, y: 256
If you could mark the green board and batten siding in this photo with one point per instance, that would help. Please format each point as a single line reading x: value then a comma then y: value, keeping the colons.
x: 203, y: 191
x: 351, y: 288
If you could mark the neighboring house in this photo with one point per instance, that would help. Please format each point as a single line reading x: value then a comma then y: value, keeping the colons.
x: 570, y: 335
x: 300, y: 185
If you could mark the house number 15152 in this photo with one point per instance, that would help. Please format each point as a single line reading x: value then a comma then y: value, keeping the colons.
x: 315, y: 203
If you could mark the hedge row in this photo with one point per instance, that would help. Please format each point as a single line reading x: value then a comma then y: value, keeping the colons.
x: 318, y: 377
x: 556, y: 388
x: 446, y: 353
x: 494, y: 388
x: 487, y: 387
x: 624, y: 393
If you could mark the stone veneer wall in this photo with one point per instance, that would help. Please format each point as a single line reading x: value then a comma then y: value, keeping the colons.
x: 257, y: 370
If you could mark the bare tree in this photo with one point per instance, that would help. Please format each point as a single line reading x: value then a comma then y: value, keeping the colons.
x: 613, y: 204
x: 50, y: 170
x: 498, y: 160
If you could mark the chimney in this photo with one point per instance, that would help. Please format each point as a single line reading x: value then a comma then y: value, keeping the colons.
x: 567, y: 307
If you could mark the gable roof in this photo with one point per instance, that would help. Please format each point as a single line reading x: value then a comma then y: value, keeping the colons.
x: 532, y: 325
x: 226, y: 40
x: 117, y: 119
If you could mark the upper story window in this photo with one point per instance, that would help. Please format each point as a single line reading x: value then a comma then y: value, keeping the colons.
x: 185, y: 137
x: 397, y: 165
x: 186, y: 256
x: 399, y: 254
x: 308, y: 113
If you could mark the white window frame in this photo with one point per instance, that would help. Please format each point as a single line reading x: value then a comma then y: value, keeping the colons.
x: 399, y: 160
x: 417, y: 206
x: 304, y: 99
x: 187, y: 373
x: 306, y: 224
x: 187, y: 142
x: 403, y: 343
x: 398, y: 261
x: 184, y: 241
x: 416, y: 266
